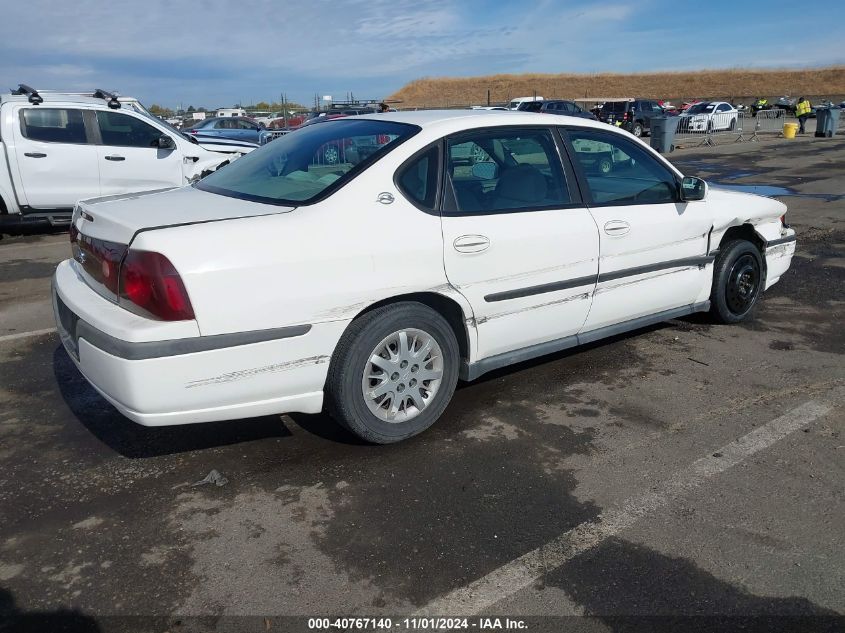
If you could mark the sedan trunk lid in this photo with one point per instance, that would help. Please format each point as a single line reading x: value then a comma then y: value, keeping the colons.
x: 119, y: 218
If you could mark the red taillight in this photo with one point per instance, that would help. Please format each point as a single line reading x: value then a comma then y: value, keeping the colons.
x: 149, y: 281
x: 99, y: 258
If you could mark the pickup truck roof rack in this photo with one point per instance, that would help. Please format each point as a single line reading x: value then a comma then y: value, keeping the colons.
x: 111, y: 98
x: 34, y: 97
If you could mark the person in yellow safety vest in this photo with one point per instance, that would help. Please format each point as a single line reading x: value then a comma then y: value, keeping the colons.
x: 802, y: 111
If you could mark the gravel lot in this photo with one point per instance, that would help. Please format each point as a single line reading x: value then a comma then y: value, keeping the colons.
x: 687, y: 469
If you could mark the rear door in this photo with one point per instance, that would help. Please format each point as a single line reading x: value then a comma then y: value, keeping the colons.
x: 57, y: 164
x: 129, y: 157
x: 518, y: 242
x: 654, y: 248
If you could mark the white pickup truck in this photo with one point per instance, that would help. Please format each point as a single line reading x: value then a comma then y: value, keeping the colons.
x: 58, y: 148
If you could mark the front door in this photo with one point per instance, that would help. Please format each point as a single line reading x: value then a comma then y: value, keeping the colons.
x: 129, y: 157
x: 57, y: 164
x: 654, y: 248
x: 518, y: 243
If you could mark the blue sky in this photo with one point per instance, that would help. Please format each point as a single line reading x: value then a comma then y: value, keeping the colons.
x: 224, y: 52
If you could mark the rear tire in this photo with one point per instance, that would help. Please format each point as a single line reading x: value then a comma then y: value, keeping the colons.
x: 414, y: 375
x: 738, y: 281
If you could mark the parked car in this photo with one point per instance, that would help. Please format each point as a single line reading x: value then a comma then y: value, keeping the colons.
x: 515, y: 103
x: 57, y: 148
x: 568, y: 108
x: 787, y: 103
x: 236, y: 128
x: 530, y: 106
x: 633, y: 115
x: 709, y: 116
x: 280, y: 285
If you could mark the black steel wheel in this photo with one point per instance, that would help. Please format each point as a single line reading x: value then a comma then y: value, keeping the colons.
x: 738, y: 281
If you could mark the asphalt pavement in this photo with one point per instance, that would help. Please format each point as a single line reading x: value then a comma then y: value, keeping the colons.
x: 688, y: 476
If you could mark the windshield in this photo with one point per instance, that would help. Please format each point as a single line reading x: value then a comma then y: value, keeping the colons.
x: 178, y: 133
x: 701, y: 108
x: 303, y: 166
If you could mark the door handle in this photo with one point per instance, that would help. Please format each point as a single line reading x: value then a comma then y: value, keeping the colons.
x: 115, y: 157
x: 617, y: 228
x: 35, y: 154
x: 471, y: 243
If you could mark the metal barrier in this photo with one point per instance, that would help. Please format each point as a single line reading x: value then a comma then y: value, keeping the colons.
x: 705, y: 127
x: 769, y: 122
x: 272, y: 135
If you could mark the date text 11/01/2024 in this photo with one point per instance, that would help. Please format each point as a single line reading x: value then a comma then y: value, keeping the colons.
x: 416, y: 624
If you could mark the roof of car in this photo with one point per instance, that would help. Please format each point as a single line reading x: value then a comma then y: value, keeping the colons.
x: 50, y: 96
x: 477, y: 118
x: 54, y: 98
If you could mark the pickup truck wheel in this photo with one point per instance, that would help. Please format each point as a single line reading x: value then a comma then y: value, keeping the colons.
x: 637, y: 130
x: 738, y: 279
x: 393, y: 372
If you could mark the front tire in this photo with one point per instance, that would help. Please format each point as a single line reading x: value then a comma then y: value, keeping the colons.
x: 637, y: 130
x: 738, y: 280
x: 393, y: 372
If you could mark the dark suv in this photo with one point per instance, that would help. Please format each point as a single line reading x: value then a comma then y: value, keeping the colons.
x: 632, y: 114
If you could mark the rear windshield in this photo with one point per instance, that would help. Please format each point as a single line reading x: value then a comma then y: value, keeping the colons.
x: 309, y: 163
x: 615, y: 106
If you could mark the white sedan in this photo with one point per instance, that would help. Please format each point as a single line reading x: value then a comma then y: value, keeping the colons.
x: 709, y: 116
x: 368, y: 287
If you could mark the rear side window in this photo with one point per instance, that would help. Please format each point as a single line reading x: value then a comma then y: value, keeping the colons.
x: 53, y: 125
x: 506, y: 170
x: 418, y: 179
x: 122, y: 130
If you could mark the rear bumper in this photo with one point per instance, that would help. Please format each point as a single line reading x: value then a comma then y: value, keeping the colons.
x: 157, y: 383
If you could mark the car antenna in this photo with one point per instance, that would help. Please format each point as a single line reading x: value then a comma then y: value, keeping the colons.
x: 113, y: 103
x: 34, y: 97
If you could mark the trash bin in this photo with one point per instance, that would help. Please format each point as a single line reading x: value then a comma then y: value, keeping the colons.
x: 790, y: 130
x: 663, y: 133
x: 827, y: 121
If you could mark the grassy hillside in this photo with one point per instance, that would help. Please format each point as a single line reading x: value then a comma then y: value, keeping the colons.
x: 729, y: 84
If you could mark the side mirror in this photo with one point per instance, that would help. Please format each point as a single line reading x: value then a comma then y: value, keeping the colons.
x: 166, y: 142
x: 693, y: 189
x: 485, y: 170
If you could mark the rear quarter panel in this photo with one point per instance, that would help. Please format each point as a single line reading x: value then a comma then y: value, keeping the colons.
x: 319, y: 263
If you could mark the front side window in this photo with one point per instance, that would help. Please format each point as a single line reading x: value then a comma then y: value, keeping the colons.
x: 243, y: 124
x: 620, y: 172
x: 506, y: 170
x: 305, y: 166
x: 53, y: 125
x: 122, y: 130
